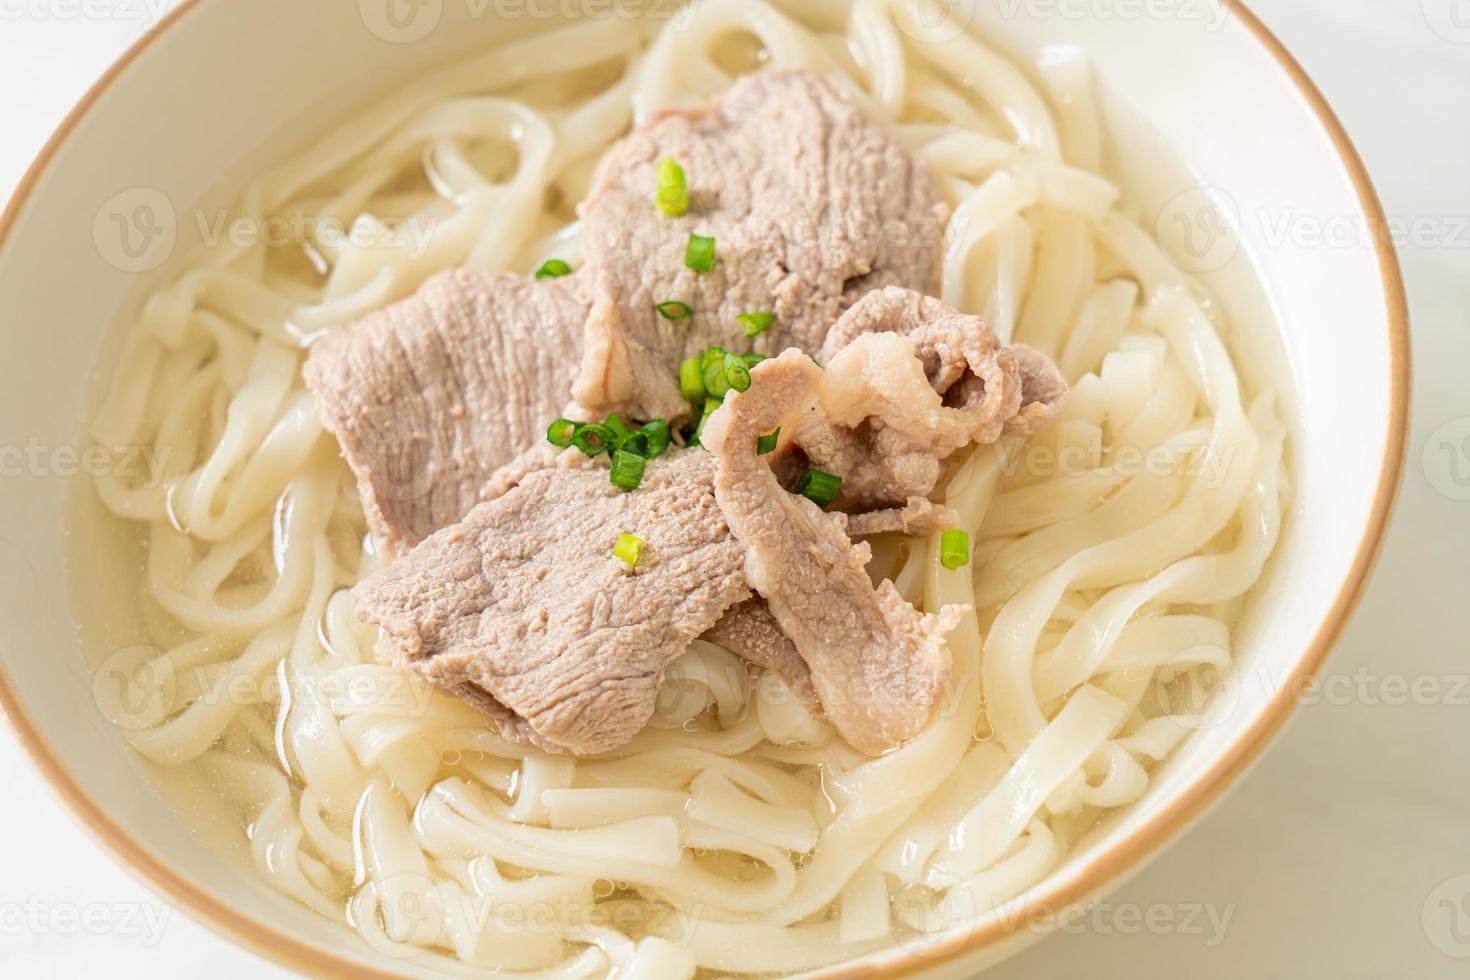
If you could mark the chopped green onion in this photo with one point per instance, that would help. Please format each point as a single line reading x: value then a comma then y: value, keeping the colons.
x: 619, y: 428
x: 954, y: 549
x: 767, y: 443
x: 628, y: 548
x: 712, y: 372
x: 737, y: 375
x: 673, y: 192
x: 675, y: 310
x: 756, y: 323
x: 818, y: 487
x: 751, y: 360
x: 657, y: 435
x: 594, y: 438
x: 711, y: 406
x: 700, y: 255
x: 553, y: 269
x: 716, y: 382
x: 712, y: 355
x: 627, y: 470
x: 636, y: 443
x: 691, y: 378
x: 560, y: 432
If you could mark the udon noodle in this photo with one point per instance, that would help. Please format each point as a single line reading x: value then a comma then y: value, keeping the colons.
x: 736, y: 834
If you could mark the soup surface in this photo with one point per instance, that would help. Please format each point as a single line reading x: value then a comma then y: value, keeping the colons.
x: 739, y: 831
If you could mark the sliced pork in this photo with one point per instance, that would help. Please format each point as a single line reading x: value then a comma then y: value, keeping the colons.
x: 810, y: 204
x: 909, y: 381
x: 750, y: 631
x: 920, y: 516
x: 878, y: 666
x: 524, y: 606
x: 431, y: 396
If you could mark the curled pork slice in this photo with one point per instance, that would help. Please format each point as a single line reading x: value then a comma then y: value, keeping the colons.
x: 523, y: 605
x: 909, y: 381
x: 920, y: 516
x: 430, y: 396
x: 810, y: 206
x: 878, y: 666
x: 749, y: 630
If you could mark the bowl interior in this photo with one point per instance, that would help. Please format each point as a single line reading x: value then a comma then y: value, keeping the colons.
x: 1195, y: 105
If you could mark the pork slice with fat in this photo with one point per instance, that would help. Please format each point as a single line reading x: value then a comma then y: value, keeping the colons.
x: 525, y: 602
x: 878, y: 666
x: 431, y: 396
x: 811, y: 206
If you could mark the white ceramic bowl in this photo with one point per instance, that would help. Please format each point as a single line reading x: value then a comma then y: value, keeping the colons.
x: 223, y: 87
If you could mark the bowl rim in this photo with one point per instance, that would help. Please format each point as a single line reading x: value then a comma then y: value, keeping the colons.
x: 1102, y: 871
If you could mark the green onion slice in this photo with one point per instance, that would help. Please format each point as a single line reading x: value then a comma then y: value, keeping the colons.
x: 673, y: 192
x: 553, y: 269
x: 619, y: 427
x: 560, y: 432
x: 657, y: 436
x: 818, y: 487
x: 675, y: 310
x: 594, y: 438
x: 635, y: 443
x: 627, y: 470
x: 751, y: 360
x: 700, y: 255
x: 691, y: 379
x: 766, y: 444
x: 628, y: 548
x: 737, y: 375
x: 954, y: 549
x: 756, y: 323
x: 716, y: 381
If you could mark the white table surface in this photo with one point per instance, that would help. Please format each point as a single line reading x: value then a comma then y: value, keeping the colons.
x: 1340, y: 855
